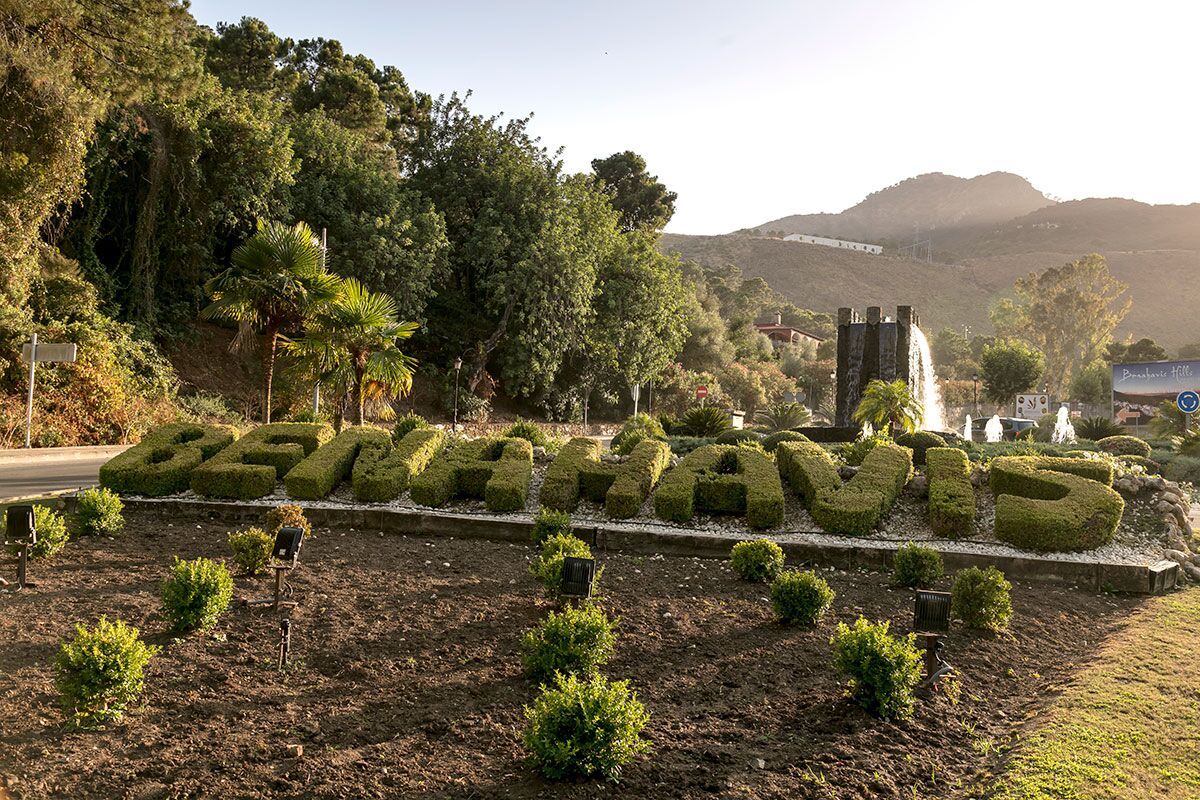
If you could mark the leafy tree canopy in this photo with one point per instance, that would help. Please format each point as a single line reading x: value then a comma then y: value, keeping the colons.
x: 1008, y: 368
x: 642, y: 202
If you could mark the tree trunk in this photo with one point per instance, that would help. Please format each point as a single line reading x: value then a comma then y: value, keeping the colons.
x: 269, y: 369
x: 485, y: 348
x: 357, y: 397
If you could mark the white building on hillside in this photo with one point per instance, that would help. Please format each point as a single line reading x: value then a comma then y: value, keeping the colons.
x: 873, y: 249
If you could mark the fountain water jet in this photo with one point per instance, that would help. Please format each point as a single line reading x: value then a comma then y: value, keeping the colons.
x: 927, y: 387
x: 1064, y: 431
x: 994, y: 430
x: 967, y: 432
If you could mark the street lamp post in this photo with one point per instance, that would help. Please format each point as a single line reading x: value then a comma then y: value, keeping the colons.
x: 975, y: 401
x: 457, y: 372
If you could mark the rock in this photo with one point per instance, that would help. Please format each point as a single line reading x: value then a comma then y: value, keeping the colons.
x: 293, y: 750
x: 311, y: 727
x: 539, y: 452
x: 1164, y: 507
x: 1177, y: 543
x: 846, y: 472
x: 919, y: 486
x: 1192, y: 572
x: 1178, y: 556
x: 760, y: 763
x: 979, y: 477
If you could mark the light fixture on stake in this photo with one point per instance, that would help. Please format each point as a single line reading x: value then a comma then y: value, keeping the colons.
x: 20, y: 529
x: 285, y: 554
x: 457, y: 372
x: 285, y: 640
x: 578, y: 575
x: 931, y: 618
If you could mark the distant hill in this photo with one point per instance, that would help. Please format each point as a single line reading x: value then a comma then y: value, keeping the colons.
x: 927, y: 202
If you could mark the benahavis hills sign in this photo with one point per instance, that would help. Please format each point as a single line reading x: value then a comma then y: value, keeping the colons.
x: 1138, y: 389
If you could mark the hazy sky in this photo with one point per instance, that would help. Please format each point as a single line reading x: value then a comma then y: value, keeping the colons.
x: 754, y: 110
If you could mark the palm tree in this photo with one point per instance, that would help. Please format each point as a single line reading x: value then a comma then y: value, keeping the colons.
x: 354, y: 342
x: 891, y: 404
x: 276, y: 280
x: 1169, y: 421
x: 782, y: 417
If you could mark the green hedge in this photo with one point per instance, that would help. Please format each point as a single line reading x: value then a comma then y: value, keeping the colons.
x: 951, y: 495
x: 1124, y: 446
x: 319, y: 474
x: 636, y: 478
x: 1048, y: 504
x: 723, y: 479
x: 560, y: 488
x: 163, y: 461
x: 250, y: 467
x: 919, y: 442
x: 383, y: 473
x: 855, y: 507
x: 577, y: 472
x: 771, y: 441
x: 496, y: 469
x: 807, y: 468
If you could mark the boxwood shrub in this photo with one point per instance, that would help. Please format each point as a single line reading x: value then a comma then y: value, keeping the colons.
x: 951, y: 495
x: 1048, y: 504
x: 575, y: 641
x: 320, y: 473
x: 548, y: 522
x: 758, y: 560
x: 382, y: 473
x: 251, y: 466
x: 196, y: 594
x: 101, y: 671
x: 919, y: 442
x: 980, y: 598
x: 635, y: 478
x: 722, y: 479
x: 251, y: 549
x: 98, y: 512
x: 496, y: 469
x: 163, y: 461
x: 1124, y: 446
x: 560, y: 487
x: 547, y: 567
x: 773, y: 440
x: 736, y: 435
x: 287, y: 515
x: 800, y: 597
x: 884, y: 670
x: 916, y: 566
x: 52, y: 533
x: 853, y: 508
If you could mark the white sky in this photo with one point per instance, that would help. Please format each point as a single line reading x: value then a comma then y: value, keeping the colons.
x: 755, y: 110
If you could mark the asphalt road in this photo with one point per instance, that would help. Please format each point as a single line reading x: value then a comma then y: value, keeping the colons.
x: 26, y: 478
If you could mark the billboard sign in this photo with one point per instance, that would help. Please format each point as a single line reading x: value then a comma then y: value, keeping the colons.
x: 1032, y: 406
x: 1138, y: 389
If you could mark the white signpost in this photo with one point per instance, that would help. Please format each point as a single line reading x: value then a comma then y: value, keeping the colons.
x: 33, y: 353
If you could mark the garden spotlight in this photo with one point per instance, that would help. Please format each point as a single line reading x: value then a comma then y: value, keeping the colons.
x: 578, y: 574
x: 21, y: 530
x: 931, y: 617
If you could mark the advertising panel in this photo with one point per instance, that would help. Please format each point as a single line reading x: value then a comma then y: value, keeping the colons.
x: 1138, y: 389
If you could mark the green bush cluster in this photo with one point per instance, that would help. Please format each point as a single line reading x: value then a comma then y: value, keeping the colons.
x: 737, y: 436
x: 682, y: 445
x: 760, y: 560
x: 883, y: 669
x: 919, y: 442
x: 251, y: 549
x: 636, y: 429
x: 382, y: 473
x: 800, y: 597
x: 52, y: 533
x: 496, y: 469
x: 196, y: 594
x: 951, y: 494
x: 855, y: 507
x: 1124, y: 446
x: 529, y: 431
x: 575, y: 641
x: 548, y: 522
x: 406, y: 425
x: 773, y: 440
x: 251, y: 466
x: 857, y: 451
x: 980, y: 598
x: 547, y: 567
x: 584, y: 727
x: 287, y: 515
x: 705, y: 421
x: 1149, y: 465
x: 101, y: 671
x: 722, y: 479
x: 163, y: 461
x: 560, y: 487
x: 916, y: 566
x: 320, y: 473
x: 98, y: 512
x: 1182, y: 469
x: 1048, y: 504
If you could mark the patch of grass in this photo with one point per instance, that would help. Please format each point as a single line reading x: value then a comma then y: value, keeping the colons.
x: 1127, y: 727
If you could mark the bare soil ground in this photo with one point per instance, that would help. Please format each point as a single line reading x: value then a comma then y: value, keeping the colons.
x: 406, y: 680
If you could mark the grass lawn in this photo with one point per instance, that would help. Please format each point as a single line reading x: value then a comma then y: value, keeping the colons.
x: 1127, y: 726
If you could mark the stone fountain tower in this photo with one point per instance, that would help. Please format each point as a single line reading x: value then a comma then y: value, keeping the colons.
x: 872, y: 348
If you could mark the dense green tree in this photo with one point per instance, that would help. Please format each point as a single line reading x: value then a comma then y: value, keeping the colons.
x: 1130, y: 352
x: 277, y: 280
x: 1068, y: 313
x: 1093, y: 384
x: 1008, y: 368
x: 642, y: 202
x: 247, y: 55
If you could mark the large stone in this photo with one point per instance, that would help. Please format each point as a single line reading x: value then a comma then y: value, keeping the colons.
x: 1178, y: 556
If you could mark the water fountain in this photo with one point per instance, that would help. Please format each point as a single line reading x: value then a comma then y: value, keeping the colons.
x: 927, y: 388
x: 994, y: 430
x: 968, y: 434
x: 868, y: 430
x: 1064, y: 431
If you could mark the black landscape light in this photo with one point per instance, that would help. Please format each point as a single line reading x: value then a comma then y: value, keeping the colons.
x: 20, y: 530
x: 931, y: 617
x: 287, y: 545
x: 578, y: 574
x: 285, y: 640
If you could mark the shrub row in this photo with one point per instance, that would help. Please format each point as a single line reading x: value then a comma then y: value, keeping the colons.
x: 320, y: 473
x: 249, y: 467
x: 496, y: 469
x: 162, y: 463
x: 807, y: 468
x: 1049, y: 504
x: 383, y: 472
x: 951, y: 495
x: 1122, y: 445
x: 856, y: 507
x: 560, y: 488
x: 724, y: 479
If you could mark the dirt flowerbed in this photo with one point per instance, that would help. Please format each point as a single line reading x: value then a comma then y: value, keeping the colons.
x: 406, y: 680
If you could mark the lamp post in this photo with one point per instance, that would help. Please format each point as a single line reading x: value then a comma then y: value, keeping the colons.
x: 975, y: 400
x: 457, y: 372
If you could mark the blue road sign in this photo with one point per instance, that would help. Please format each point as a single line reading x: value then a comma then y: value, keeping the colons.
x: 1188, y: 402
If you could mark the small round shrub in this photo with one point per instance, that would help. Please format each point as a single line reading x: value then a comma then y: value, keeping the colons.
x: 407, y: 424
x: 1124, y: 446
x: 759, y: 560
x: 884, y: 670
x: 584, y: 727
x: 919, y: 442
x: 529, y: 431
x: 1150, y: 466
x: 800, y: 597
x: 705, y: 421
x: 98, y: 513
x: 101, y: 671
x: 547, y: 567
x: 916, y: 566
x: 574, y: 641
x: 628, y: 442
x: 305, y: 415
x: 735, y: 436
x: 773, y: 440
x: 251, y: 549
x: 52, y: 533
x: 548, y: 522
x: 196, y: 594
x: 980, y: 598
x: 646, y: 426
x: 857, y: 451
x: 287, y: 516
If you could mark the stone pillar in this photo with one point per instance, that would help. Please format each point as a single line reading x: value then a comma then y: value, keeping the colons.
x: 905, y: 319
